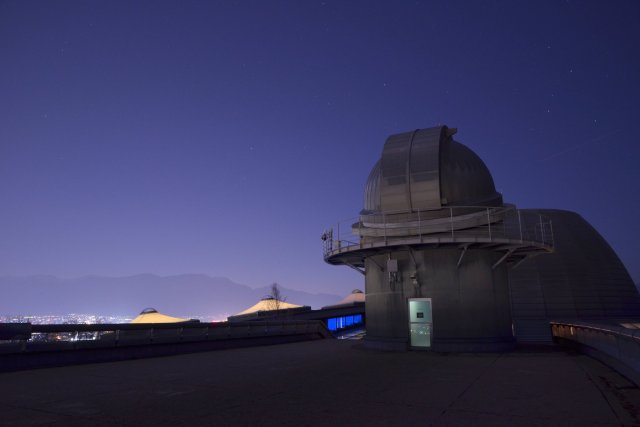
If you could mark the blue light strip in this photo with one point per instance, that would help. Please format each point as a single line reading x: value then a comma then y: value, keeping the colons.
x: 342, y: 322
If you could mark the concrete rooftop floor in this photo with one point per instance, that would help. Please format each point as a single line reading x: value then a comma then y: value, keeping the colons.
x: 326, y: 382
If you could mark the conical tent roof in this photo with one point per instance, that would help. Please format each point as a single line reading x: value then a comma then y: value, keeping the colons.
x: 355, y: 296
x: 268, y: 304
x: 151, y: 315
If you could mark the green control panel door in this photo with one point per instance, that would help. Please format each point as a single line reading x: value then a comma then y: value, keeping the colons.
x: 420, y: 322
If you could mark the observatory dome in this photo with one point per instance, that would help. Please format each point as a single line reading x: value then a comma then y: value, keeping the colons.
x: 427, y: 170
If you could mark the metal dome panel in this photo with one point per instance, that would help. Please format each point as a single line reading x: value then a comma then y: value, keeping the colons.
x: 410, y: 171
x: 394, y: 194
x: 424, y: 169
x: 372, y: 190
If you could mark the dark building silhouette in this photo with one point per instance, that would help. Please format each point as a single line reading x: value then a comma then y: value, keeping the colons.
x: 439, y: 250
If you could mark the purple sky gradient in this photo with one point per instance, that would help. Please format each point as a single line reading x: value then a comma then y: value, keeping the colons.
x: 223, y: 137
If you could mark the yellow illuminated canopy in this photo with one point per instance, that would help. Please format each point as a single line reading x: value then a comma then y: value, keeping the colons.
x: 356, y: 296
x: 269, y: 304
x: 151, y: 315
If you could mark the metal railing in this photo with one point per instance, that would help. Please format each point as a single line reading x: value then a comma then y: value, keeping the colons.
x: 453, y: 224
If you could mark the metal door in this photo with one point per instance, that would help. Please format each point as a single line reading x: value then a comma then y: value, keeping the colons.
x: 420, y: 322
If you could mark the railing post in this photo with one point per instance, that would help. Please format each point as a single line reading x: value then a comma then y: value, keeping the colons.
x: 451, y: 221
x: 419, y: 227
x: 541, y: 228
x: 489, y: 223
x: 384, y: 223
x: 504, y: 224
x: 520, y: 224
x: 338, y: 233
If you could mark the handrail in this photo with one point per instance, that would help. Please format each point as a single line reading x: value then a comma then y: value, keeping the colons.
x: 458, y: 223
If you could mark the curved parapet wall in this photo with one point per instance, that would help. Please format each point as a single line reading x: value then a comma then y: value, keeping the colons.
x: 615, y: 345
x: 39, y: 346
x: 582, y: 279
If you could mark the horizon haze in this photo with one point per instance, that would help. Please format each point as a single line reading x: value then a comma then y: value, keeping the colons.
x: 185, y: 295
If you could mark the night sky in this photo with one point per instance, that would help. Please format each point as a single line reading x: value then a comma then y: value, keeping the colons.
x: 223, y: 137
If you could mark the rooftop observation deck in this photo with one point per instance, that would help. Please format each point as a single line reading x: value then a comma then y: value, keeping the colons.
x: 515, y: 233
x: 326, y: 382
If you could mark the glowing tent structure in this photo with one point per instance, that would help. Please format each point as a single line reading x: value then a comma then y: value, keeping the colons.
x: 269, y: 307
x: 354, y: 298
x: 151, y: 315
x: 268, y: 304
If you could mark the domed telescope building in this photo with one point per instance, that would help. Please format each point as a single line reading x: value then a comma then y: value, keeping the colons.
x: 437, y: 245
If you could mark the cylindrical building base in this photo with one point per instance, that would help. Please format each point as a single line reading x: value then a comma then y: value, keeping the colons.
x: 465, y: 296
